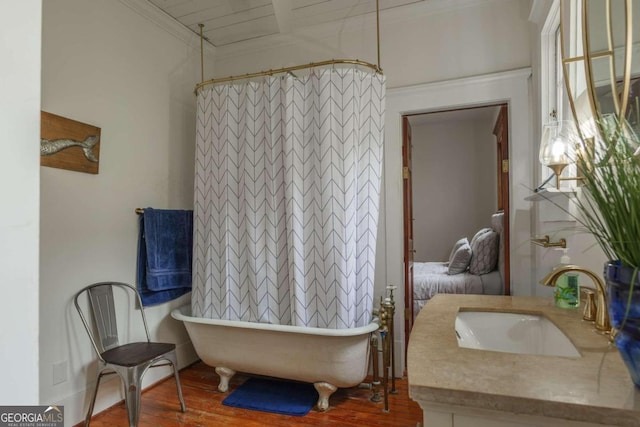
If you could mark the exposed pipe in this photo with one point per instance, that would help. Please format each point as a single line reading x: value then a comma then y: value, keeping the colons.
x: 375, y: 382
x: 201, y: 53
x: 378, y: 29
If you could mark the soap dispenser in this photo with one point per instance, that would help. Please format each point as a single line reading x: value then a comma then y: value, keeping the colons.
x: 566, y: 292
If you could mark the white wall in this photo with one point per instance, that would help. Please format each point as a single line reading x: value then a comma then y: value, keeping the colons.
x: 454, y: 184
x: 106, y: 65
x: 19, y: 186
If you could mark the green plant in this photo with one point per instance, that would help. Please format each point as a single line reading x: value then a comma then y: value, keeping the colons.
x: 610, y: 203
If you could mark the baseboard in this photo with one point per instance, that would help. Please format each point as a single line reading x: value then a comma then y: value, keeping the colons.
x: 110, y: 392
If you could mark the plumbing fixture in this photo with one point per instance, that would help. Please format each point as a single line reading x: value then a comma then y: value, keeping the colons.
x: 602, y: 314
x: 590, y: 308
x: 375, y: 382
x: 390, y: 305
x: 546, y: 242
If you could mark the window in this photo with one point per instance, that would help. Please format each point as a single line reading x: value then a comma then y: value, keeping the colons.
x: 551, y: 67
x: 559, y: 94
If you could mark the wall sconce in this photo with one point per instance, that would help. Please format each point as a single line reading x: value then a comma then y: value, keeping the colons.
x: 557, y: 148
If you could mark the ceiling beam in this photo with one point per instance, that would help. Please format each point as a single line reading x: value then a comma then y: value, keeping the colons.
x: 283, y: 9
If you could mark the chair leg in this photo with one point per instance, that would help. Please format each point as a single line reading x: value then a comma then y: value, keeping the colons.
x: 183, y: 407
x: 171, y: 357
x: 132, y: 379
x: 87, y: 419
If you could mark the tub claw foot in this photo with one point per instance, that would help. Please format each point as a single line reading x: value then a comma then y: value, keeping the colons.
x: 225, y: 375
x: 325, y: 390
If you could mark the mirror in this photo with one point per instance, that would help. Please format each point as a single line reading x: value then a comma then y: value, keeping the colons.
x: 601, y: 61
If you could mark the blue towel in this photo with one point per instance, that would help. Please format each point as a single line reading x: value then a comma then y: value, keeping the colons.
x: 165, y: 250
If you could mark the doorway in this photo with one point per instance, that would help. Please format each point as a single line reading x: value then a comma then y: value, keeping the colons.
x: 455, y: 175
x: 510, y: 87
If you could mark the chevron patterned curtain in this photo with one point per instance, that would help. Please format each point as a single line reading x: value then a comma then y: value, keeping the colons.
x: 287, y: 193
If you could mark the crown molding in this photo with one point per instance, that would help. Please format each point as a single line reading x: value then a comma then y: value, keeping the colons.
x: 539, y: 11
x: 151, y: 12
x: 518, y: 74
x: 355, y: 23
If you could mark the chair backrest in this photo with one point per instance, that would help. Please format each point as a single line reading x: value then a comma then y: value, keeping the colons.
x: 103, y: 313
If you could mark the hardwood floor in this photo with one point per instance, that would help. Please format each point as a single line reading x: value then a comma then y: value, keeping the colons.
x: 349, y: 407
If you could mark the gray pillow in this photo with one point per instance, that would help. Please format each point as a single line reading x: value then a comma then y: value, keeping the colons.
x: 478, y: 234
x: 484, y: 253
x: 460, y: 261
x: 456, y: 245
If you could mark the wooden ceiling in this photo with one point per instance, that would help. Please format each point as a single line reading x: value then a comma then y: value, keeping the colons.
x: 231, y: 21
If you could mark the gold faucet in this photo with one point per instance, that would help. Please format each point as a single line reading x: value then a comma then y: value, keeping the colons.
x: 602, y: 314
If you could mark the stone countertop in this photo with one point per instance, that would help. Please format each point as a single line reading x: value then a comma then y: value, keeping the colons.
x: 594, y: 388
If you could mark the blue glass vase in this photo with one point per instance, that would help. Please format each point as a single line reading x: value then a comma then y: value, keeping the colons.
x: 624, y: 302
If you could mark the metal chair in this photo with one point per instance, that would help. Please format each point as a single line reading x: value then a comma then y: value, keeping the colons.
x: 130, y: 361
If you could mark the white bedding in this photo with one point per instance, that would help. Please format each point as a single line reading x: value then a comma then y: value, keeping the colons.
x: 431, y: 278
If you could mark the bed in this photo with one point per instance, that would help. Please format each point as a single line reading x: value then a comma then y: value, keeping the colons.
x: 467, y: 276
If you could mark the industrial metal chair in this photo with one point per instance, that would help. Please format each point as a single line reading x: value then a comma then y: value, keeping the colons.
x: 130, y: 361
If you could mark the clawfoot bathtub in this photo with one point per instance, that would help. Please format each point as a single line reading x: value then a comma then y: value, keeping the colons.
x: 328, y: 358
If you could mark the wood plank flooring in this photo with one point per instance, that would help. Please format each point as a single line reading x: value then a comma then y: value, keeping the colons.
x: 349, y: 407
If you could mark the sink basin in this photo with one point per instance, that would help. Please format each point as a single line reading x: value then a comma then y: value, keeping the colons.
x: 512, y: 333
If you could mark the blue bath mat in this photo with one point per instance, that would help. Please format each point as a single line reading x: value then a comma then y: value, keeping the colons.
x: 276, y: 396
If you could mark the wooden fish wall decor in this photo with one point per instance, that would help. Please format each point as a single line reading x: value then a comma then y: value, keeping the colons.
x: 69, y: 144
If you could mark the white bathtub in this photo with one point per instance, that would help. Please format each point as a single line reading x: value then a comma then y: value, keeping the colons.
x: 328, y: 358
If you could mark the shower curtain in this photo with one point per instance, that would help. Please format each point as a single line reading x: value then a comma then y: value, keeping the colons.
x: 287, y: 192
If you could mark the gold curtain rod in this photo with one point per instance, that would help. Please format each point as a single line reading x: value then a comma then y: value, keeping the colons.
x: 374, y: 67
x: 139, y: 211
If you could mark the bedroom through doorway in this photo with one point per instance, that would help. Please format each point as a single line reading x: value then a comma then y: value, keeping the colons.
x: 455, y: 178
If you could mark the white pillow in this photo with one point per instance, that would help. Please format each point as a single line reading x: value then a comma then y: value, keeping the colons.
x: 485, y: 253
x: 461, y: 259
x: 456, y: 245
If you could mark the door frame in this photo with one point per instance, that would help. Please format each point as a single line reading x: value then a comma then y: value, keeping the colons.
x: 499, y: 125
x: 511, y: 87
x: 501, y: 132
x: 407, y: 220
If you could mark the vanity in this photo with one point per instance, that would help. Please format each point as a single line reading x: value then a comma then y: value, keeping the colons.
x: 468, y: 387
